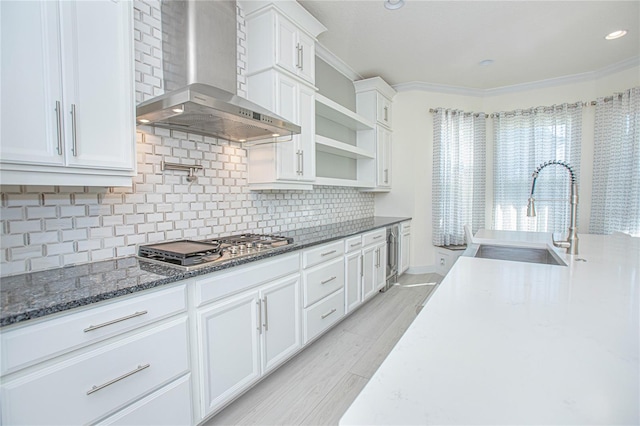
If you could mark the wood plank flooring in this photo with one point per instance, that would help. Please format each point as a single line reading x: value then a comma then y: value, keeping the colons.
x: 318, y: 385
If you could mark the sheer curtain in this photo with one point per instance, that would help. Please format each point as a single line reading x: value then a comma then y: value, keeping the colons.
x: 615, y: 204
x: 459, y: 142
x: 523, y: 139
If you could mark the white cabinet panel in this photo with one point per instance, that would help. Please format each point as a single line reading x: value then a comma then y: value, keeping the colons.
x: 383, y: 143
x: 169, y: 406
x: 307, y: 49
x: 353, y: 280
x: 30, y: 54
x: 229, y: 348
x: 22, y: 346
x: 317, y: 255
x: 323, y: 315
x: 405, y: 247
x: 281, y: 321
x: 323, y: 280
x: 98, y: 75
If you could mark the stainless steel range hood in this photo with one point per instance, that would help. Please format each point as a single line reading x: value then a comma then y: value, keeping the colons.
x: 200, y: 77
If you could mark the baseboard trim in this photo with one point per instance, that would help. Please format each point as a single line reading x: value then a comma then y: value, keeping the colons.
x: 426, y: 269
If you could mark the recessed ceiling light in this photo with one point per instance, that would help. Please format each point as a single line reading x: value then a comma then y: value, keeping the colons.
x: 616, y: 34
x: 486, y: 62
x: 143, y: 120
x: 393, y: 4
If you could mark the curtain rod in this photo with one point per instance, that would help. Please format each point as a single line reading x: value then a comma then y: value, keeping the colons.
x: 575, y: 104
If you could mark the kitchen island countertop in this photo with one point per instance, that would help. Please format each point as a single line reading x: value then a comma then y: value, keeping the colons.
x: 37, y: 294
x: 502, y: 342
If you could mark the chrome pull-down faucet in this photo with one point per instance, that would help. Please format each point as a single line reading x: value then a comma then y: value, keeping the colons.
x: 571, y: 243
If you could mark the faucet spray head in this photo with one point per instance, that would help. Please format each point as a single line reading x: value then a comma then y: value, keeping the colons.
x: 531, y: 207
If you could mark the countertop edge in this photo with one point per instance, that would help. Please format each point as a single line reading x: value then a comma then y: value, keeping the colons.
x: 168, y: 275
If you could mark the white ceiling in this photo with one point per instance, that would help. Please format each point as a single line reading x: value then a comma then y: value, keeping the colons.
x: 443, y: 42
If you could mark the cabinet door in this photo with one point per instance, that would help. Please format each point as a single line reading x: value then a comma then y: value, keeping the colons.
x: 287, y: 55
x: 281, y: 319
x: 307, y: 48
x: 405, y: 253
x: 369, y: 268
x: 306, y: 139
x: 380, y: 266
x: 353, y: 279
x: 383, y: 137
x: 98, y: 83
x: 229, y: 349
x: 288, y: 155
x: 383, y: 107
x: 31, y: 83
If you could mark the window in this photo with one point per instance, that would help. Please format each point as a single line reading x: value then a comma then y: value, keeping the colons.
x: 524, y: 139
x: 615, y: 204
x: 459, y: 141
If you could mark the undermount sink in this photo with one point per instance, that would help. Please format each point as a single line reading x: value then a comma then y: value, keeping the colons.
x: 519, y: 254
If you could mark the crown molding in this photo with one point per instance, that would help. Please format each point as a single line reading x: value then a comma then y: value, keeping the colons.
x: 551, y: 82
x: 337, y: 63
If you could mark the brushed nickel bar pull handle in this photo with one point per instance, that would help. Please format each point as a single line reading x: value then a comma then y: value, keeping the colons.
x: 386, y: 113
x: 328, y: 280
x: 104, y: 324
x: 302, y: 162
x: 117, y: 379
x: 59, y: 123
x: 362, y: 265
x: 266, y: 315
x: 328, y: 313
x: 328, y: 253
x: 259, y: 327
x: 354, y: 244
x: 301, y: 58
x: 74, y: 133
x: 377, y: 237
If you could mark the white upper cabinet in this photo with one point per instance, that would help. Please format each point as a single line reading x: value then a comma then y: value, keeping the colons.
x: 280, y: 77
x: 281, y: 35
x: 373, y: 101
x: 67, y: 93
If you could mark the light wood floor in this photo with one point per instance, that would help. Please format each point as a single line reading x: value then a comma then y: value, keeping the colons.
x: 318, y: 385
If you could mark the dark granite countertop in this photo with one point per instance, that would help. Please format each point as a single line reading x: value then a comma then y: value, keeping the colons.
x: 37, y: 294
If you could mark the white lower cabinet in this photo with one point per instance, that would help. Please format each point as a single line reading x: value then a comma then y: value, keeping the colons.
x: 93, y: 384
x: 322, y: 315
x: 323, y: 276
x: 405, y: 247
x: 353, y: 280
x: 93, y: 363
x: 374, y: 264
x: 152, y: 410
x: 245, y: 336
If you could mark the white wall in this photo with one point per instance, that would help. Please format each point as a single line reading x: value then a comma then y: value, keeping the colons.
x: 413, y: 148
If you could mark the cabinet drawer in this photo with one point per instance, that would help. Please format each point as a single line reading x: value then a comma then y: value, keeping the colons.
x: 323, y: 280
x: 405, y: 227
x: 222, y: 284
x: 27, y: 345
x: 374, y: 237
x: 91, y: 385
x: 323, y: 315
x: 321, y: 254
x: 171, y: 405
x: 353, y: 244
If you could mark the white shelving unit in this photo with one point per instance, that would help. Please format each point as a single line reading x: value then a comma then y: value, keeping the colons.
x: 347, y: 156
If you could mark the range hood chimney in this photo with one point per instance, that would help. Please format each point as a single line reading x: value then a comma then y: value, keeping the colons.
x: 199, y: 41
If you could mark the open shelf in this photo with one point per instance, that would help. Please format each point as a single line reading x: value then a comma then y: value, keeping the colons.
x: 335, y: 112
x: 343, y: 182
x: 332, y: 146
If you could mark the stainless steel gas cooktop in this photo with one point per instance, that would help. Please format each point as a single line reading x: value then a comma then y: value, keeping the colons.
x: 188, y: 255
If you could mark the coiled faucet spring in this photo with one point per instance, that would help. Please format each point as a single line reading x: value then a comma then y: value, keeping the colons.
x: 571, y: 243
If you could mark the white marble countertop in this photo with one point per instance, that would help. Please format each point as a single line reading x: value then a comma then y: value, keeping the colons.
x: 503, y: 342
